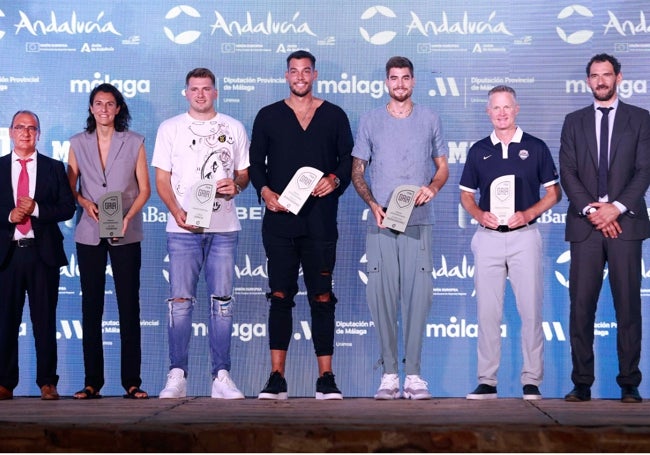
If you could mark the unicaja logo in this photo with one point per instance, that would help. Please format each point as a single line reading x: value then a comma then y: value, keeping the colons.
x: 382, y: 37
x: 579, y: 36
x: 188, y: 36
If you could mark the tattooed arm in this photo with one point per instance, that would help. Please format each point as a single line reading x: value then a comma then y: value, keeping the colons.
x: 360, y: 184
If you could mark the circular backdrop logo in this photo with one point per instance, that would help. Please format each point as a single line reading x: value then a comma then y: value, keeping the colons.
x: 579, y: 36
x: 2, y: 32
x: 185, y: 37
x: 362, y: 274
x: 563, y: 259
x: 382, y: 37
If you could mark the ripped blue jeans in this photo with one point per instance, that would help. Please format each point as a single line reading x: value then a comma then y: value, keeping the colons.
x: 188, y: 254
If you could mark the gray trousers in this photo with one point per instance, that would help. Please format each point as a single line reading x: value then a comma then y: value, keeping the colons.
x: 516, y: 255
x: 399, y: 275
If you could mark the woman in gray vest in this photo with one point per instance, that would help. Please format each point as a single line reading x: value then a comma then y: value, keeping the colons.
x: 105, y: 158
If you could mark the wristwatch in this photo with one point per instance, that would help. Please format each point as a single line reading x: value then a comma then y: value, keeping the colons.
x: 337, y: 181
x: 591, y: 210
x: 238, y: 188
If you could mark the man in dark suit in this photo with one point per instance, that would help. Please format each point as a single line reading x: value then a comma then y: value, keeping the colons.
x: 32, y: 202
x: 605, y: 172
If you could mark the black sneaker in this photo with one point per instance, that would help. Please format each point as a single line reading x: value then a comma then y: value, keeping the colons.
x: 483, y: 392
x: 531, y: 392
x: 275, y: 389
x: 326, y: 388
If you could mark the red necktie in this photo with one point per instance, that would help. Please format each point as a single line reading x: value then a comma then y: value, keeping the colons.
x: 23, y: 190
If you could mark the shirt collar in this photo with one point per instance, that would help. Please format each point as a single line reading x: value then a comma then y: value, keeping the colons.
x: 15, y: 157
x: 614, y: 105
x: 516, y: 138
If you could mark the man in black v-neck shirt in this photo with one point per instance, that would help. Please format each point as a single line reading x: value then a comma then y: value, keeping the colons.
x: 298, y: 131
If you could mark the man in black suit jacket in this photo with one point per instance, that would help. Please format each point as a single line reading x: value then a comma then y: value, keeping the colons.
x: 606, y: 228
x: 30, y: 258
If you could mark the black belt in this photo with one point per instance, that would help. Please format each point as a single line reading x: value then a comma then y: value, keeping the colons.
x: 24, y: 243
x: 505, y: 228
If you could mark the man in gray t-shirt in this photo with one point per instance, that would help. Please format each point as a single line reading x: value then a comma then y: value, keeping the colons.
x: 400, y: 143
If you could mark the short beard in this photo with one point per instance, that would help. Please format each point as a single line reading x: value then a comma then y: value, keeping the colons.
x: 608, y: 95
x: 299, y: 94
x: 401, y: 98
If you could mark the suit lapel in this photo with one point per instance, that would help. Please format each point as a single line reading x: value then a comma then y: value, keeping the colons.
x: 620, y: 121
x: 42, y: 175
x: 116, y: 146
x: 93, y: 147
x: 589, y: 127
x: 5, y: 178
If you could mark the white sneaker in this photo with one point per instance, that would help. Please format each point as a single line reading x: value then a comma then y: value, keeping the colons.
x: 389, y: 388
x: 415, y: 388
x: 224, y: 387
x: 176, y: 386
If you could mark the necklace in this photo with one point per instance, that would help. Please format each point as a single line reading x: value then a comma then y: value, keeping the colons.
x: 399, y: 114
x: 302, y: 117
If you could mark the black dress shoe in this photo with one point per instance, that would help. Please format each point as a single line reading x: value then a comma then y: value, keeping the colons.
x: 581, y: 392
x: 630, y: 394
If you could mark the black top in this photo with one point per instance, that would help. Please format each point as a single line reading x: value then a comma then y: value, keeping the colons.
x: 279, y: 147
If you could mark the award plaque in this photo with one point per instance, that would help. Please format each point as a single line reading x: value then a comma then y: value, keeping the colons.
x: 400, y: 207
x: 201, y: 201
x: 111, y: 218
x: 299, y: 188
x: 502, y: 198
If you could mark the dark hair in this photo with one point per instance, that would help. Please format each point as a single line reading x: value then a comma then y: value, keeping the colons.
x: 604, y: 58
x: 123, y: 117
x: 399, y: 62
x: 38, y: 121
x: 200, y: 72
x: 302, y: 54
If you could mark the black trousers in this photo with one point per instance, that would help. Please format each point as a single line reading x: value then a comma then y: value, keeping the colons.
x: 286, y: 256
x: 24, y: 272
x: 588, y: 258
x: 125, y: 263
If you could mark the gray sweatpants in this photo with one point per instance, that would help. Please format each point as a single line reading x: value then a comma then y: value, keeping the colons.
x: 399, y: 274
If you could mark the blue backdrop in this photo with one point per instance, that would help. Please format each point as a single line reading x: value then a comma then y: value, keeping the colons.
x: 55, y: 52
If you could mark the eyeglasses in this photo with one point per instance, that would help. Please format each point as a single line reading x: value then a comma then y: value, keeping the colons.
x: 29, y: 128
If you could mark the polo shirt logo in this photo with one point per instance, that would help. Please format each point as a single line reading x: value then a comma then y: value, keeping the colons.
x: 523, y: 154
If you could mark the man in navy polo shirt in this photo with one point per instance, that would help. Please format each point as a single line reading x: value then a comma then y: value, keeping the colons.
x: 511, y: 250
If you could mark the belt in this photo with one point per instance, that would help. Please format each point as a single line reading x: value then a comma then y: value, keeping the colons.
x: 24, y: 242
x: 505, y: 228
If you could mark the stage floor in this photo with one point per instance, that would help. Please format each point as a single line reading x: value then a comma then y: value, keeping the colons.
x: 113, y: 424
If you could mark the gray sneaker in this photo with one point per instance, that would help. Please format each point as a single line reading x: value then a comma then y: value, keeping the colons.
x: 415, y: 388
x: 389, y: 388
